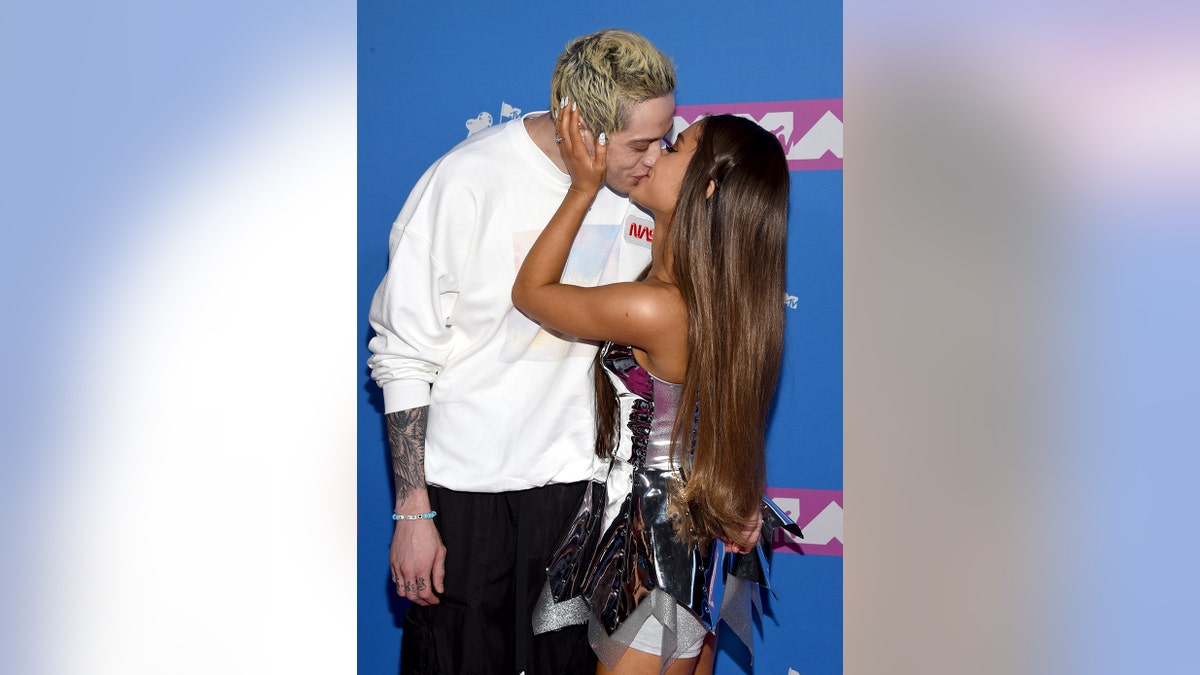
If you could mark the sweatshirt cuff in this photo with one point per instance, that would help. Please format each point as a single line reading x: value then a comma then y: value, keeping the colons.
x: 404, y: 394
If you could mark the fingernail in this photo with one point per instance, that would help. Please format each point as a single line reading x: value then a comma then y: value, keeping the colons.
x: 572, y: 106
x: 563, y: 103
x: 603, y: 138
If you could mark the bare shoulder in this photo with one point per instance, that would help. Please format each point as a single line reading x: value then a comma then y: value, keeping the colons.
x: 664, y: 348
x: 660, y: 303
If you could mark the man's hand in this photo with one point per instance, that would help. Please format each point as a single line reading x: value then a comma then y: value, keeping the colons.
x: 418, y: 561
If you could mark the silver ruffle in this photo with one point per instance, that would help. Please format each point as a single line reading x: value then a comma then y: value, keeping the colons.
x: 617, y: 578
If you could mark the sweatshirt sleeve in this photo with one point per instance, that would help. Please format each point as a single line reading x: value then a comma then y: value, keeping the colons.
x: 409, y: 313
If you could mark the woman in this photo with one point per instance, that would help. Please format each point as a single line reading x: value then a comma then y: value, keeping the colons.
x: 684, y: 383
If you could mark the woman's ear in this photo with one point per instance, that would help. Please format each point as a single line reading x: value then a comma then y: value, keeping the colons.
x: 712, y: 187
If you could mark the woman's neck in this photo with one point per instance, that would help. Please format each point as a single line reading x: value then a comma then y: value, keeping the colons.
x: 661, y: 267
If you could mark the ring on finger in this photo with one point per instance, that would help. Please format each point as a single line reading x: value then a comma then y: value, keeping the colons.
x: 557, y: 138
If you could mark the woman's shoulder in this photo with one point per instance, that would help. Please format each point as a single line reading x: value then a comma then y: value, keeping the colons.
x: 665, y: 347
x: 660, y: 300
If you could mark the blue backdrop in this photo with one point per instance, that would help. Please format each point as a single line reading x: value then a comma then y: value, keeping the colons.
x: 429, y: 73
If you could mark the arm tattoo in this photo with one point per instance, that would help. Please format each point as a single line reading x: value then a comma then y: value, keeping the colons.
x: 406, y: 436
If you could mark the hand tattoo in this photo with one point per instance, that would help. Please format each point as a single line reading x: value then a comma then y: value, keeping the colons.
x: 406, y: 436
x: 420, y: 584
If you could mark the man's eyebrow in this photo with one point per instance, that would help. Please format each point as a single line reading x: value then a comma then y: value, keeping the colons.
x: 635, y: 141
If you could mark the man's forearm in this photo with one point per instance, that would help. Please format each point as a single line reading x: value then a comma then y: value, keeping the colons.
x: 406, y: 436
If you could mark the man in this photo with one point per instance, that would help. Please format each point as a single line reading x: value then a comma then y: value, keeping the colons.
x: 489, y: 417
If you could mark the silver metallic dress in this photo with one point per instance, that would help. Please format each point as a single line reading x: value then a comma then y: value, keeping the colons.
x: 619, y: 563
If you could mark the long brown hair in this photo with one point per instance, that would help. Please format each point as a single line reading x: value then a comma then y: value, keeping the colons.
x: 729, y: 262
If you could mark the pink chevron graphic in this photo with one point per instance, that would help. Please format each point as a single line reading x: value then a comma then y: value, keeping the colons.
x: 810, y: 131
x: 819, y: 515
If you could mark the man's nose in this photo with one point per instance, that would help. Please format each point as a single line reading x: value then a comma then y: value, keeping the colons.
x: 652, y: 155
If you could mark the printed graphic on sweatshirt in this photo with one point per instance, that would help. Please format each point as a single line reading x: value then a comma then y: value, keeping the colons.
x: 810, y: 131
x: 484, y: 119
x: 593, y: 261
x: 638, y: 229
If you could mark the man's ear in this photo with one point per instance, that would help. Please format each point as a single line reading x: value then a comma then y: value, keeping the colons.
x: 712, y: 187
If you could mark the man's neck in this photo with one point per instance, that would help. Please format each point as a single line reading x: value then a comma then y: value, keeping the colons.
x: 541, y: 130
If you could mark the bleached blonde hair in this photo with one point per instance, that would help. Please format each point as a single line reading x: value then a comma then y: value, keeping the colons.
x: 606, y: 73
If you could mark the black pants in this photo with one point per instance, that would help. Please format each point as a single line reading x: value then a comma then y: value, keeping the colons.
x: 497, y: 545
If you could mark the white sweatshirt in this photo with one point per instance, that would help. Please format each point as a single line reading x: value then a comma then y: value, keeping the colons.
x: 510, y: 405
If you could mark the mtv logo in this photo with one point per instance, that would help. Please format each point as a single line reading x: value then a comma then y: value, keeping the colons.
x: 810, y: 131
x: 508, y: 112
x: 824, y: 136
x: 781, y: 124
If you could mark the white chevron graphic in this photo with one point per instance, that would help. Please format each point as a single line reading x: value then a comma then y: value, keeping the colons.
x: 826, y: 526
x: 824, y: 136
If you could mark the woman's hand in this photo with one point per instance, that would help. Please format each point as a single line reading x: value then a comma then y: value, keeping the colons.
x: 749, y: 534
x: 585, y: 157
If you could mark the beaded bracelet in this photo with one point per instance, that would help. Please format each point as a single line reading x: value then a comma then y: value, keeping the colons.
x: 416, y: 516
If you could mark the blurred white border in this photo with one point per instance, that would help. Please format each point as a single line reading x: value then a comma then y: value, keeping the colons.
x: 204, y: 498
